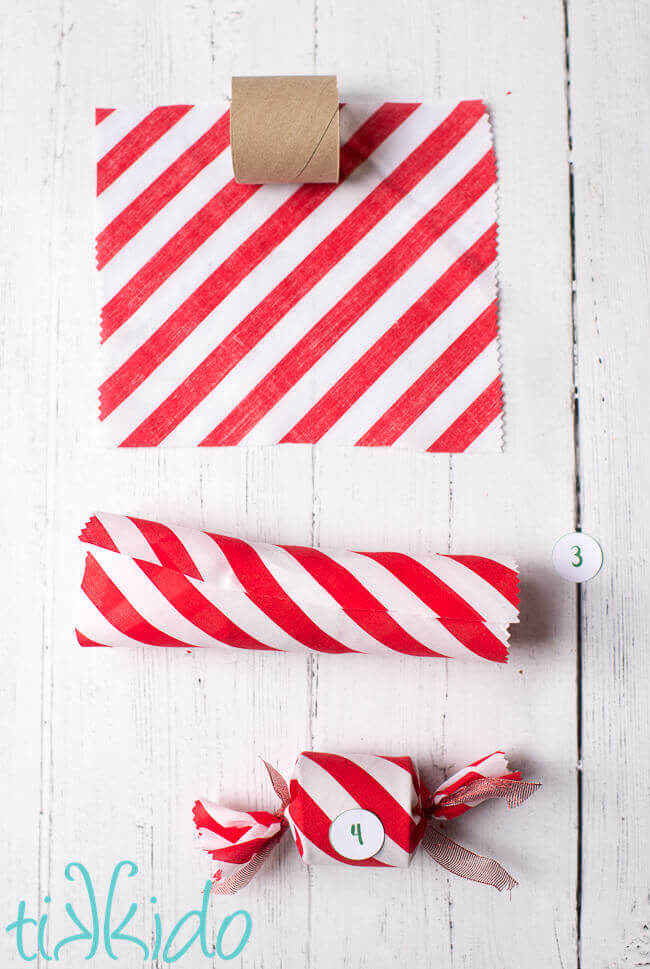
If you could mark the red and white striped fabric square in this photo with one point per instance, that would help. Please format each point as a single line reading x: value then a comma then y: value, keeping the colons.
x: 362, y: 313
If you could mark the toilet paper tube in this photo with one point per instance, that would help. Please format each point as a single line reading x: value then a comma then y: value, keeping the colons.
x: 284, y: 129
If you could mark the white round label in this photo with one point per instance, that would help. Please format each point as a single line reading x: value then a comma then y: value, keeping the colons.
x: 357, y: 834
x: 577, y: 557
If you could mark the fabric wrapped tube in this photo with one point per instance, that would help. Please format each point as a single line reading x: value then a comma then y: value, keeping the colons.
x: 360, y: 809
x: 150, y: 583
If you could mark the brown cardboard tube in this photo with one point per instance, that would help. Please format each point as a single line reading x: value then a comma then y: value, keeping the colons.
x: 284, y: 129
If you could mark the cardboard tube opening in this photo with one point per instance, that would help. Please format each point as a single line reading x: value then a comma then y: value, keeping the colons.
x: 284, y: 129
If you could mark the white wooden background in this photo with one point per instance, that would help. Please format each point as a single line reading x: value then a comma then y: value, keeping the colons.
x: 103, y: 752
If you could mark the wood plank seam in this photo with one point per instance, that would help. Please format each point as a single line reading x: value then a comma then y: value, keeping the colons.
x: 577, y: 488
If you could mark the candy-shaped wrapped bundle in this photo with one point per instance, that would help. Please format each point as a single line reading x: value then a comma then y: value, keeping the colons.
x: 360, y: 809
x: 145, y: 582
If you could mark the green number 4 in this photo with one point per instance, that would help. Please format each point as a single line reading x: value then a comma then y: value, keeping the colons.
x: 355, y: 831
x: 578, y: 557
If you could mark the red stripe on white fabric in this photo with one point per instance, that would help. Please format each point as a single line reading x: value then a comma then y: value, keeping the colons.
x: 101, y: 113
x: 133, y: 145
x: 94, y: 533
x: 168, y: 548
x: 473, y: 421
x: 84, y: 641
x: 498, y: 575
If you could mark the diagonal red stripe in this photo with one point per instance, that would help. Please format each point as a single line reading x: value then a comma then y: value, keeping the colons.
x: 428, y: 587
x: 168, y: 547
x: 314, y: 824
x: 239, y: 854
x: 172, y: 255
x: 197, y: 609
x: 369, y: 795
x: 331, y: 327
x: 502, y: 578
x: 101, y: 113
x: 143, y: 208
x: 118, y: 611
x: 357, y: 602
x: 84, y: 641
x: 478, y: 639
x: 481, y: 760
x: 94, y: 533
x: 473, y: 421
x: 269, y: 596
x: 234, y: 269
x: 435, y: 379
x: 203, y: 819
x: 405, y: 763
x: 134, y: 144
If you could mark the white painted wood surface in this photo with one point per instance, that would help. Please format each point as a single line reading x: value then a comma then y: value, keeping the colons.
x: 103, y: 752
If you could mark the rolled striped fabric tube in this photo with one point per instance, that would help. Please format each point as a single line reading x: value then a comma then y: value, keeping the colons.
x: 359, y: 809
x: 150, y: 583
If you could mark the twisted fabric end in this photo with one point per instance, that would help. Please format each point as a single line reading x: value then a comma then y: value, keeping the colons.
x: 240, y: 841
x: 513, y: 791
x: 454, y: 857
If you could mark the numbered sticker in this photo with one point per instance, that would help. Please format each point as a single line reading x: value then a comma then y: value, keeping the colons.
x: 577, y: 557
x: 357, y: 834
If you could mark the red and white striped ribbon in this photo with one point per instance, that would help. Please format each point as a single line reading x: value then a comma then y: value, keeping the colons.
x: 359, y: 313
x: 324, y: 786
x: 150, y: 583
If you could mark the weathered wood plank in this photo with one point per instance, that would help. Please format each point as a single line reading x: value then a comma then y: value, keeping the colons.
x: 610, y: 125
x: 30, y: 102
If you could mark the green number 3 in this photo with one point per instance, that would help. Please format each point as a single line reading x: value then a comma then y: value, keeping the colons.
x: 578, y: 557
